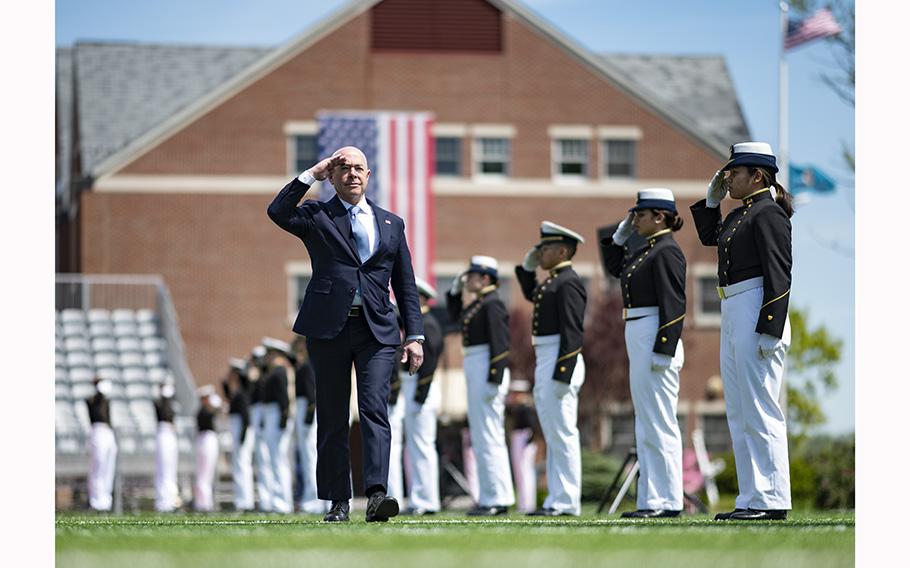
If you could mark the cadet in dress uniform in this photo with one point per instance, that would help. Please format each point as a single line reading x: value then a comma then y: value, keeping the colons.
x: 524, y: 433
x: 166, y: 493
x: 102, y: 448
x: 559, y: 308
x: 206, y: 449
x: 754, y: 272
x: 395, y: 409
x: 485, y: 337
x: 261, y: 462
x: 305, y: 426
x: 278, y: 420
x: 241, y: 435
x: 653, y: 282
x: 421, y: 405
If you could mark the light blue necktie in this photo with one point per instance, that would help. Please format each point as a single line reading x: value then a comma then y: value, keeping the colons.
x: 360, y: 235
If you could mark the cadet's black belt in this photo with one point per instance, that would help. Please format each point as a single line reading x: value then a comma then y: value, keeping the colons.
x: 631, y: 314
x: 354, y: 311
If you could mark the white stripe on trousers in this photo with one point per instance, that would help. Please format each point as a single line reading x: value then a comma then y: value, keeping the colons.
x: 103, y: 451
x: 486, y: 416
x: 278, y: 441
x: 306, y: 447
x: 658, y: 441
x: 166, y: 468
x: 420, y: 440
x: 261, y: 461
x: 557, y: 409
x: 751, y: 393
x: 242, y: 464
x: 395, y: 486
x: 206, y: 466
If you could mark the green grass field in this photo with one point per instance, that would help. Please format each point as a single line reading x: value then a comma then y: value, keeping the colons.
x: 450, y: 540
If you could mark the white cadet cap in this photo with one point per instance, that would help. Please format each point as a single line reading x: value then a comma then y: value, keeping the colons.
x: 205, y: 390
x: 550, y: 232
x: 655, y: 198
x: 237, y: 364
x: 104, y: 386
x: 484, y: 265
x: 424, y: 288
x: 276, y: 345
x: 215, y: 401
x: 167, y: 390
x: 755, y: 154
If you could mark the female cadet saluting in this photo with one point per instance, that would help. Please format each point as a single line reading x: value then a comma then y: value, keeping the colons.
x: 755, y: 260
x: 653, y: 280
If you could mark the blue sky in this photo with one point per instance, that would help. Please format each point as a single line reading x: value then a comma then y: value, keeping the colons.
x: 745, y: 33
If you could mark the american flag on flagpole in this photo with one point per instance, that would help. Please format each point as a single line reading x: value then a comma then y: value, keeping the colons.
x: 820, y: 24
x: 399, y: 148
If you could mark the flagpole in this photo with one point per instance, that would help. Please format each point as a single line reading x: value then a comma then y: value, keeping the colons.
x: 783, y: 149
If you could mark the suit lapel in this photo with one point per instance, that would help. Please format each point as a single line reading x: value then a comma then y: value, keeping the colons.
x: 383, y: 228
x: 339, y: 215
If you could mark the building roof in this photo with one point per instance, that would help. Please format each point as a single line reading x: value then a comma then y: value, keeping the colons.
x: 131, y: 94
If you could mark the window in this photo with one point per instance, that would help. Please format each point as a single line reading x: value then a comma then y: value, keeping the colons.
x: 570, y: 157
x: 492, y: 156
x: 448, y: 156
x: 707, y: 302
x: 619, y: 158
x: 305, y: 151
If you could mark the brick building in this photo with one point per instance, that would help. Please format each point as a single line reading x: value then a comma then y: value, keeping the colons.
x: 169, y: 154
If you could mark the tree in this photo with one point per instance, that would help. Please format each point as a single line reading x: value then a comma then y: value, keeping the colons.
x: 810, y: 361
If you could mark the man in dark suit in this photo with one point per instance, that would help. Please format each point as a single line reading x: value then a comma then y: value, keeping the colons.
x: 356, y: 250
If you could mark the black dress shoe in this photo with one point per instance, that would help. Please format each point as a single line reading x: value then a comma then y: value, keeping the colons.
x: 419, y: 512
x: 650, y: 514
x: 381, y: 507
x: 759, y: 515
x: 491, y: 511
x: 544, y: 512
x: 338, y: 513
x: 726, y: 516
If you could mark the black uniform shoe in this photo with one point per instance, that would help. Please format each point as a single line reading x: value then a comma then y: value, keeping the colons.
x: 650, y: 514
x: 338, y: 513
x: 544, y: 512
x: 759, y: 515
x: 491, y: 511
x: 381, y: 507
x: 726, y: 516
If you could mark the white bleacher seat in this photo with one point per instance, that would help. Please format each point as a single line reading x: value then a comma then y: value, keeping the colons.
x: 81, y: 375
x: 80, y: 410
x: 110, y: 373
x: 118, y: 390
x: 149, y: 444
x: 103, y: 344
x: 154, y: 360
x: 101, y: 329
x: 59, y: 344
x: 106, y: 359
x: 78, y: 359
x: 59, y: 359
x: 138, y: 390
x: 72, y: 315
x: 68, y: 445
x: 62, y: 391
x: 82, y: 391
x: 74, y: 328
x: 144, y: 414
x: 123, y: 315
x: 129, y: 344
x: 99, y: 314
x: 125, y: 329
x: 76, y: 343
x: 184, y: 445
x: 131, y: 359
x: 146, y: 315
x: 155, y: 344
x: 127, y: 444
x: 147, y: 330
x: 60, y: 375
x: 134, y: 375
x: 157, y: 375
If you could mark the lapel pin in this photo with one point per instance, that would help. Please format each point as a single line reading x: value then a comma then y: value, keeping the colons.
x: 387, y: 222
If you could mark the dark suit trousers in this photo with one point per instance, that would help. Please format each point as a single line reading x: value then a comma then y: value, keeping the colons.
x: 374, y: 364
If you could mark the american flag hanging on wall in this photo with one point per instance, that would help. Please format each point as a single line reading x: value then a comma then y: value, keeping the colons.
x: 399, y: 148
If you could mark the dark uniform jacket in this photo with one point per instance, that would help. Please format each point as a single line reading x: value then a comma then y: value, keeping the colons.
x: 395, y: 379
x: 754, y: 240
x: 164, y: 410
x: 99, y: 409
x: 305, y: 380
x: 275, y: 389
x: 205, y: 419
x: 432, y: 351
x: 653, y: 275
x: 484, y: 321
x: 559, y: 308
x: 240, y: 404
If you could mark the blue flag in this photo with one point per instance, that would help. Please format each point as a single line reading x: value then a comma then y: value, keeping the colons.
x: 809, y: 178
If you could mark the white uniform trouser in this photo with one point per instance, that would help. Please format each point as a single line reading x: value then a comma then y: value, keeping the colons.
x: 658, y: 441
x: 166, y: 467
x: 242, y: 464
x: 752, y: 392
x: 395, y: 486
x: 278, y: 441
x: 486, y: 416
x: 524, y: 457
x: 103, y: 450
x: 306, y: 447
x: 420, y: 439
x: 262, y: 463
x: 557, y: 409
x: 206, y: 464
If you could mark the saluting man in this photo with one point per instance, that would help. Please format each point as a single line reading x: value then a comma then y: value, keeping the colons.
x: 557, y: 335
x: 278, y: 420
x: 422, y: 399
x: 166, y: 452
x: 102, y: 447
x: 485, y: 337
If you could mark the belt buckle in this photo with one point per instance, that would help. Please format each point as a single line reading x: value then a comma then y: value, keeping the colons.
x: 720, y: 292
x: 354, y: 311
x: 625, y: 313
